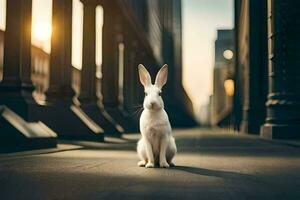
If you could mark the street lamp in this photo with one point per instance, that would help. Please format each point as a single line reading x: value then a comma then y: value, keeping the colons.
x: 229, y: 87
x: 229, y: 83
x: 228, y: 54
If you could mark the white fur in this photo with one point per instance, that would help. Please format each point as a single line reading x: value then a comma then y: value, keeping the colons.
x: 157, y: 145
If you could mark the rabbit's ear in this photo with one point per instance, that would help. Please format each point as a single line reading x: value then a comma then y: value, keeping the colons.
x: 162, y: 76
x: 144, y: 76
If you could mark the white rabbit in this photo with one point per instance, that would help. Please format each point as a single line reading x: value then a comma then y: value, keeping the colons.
x: 157, y: 145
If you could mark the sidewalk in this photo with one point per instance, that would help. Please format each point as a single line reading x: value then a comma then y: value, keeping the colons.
x: 211, y: 164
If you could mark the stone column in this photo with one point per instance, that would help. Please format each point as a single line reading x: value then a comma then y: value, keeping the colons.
x: 110, y: 58
x: 129, y: 74
x: 113, y: 35
x: 88, y: 71
x: 17, y: 59
x: 60, y: 57
x: 283, y: 104
x: 131, y: 58
x: 16, y: 102
x: 251, y: 64
x: 12, y: 43
x: 88, y: 99
x: 26, y: 47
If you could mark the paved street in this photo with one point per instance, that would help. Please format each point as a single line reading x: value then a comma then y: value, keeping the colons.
x: 211, y: 164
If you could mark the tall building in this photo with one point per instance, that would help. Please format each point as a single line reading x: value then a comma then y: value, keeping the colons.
x: 251, y: 66
x: 162, y: 24
x: 267, y: 68
x: 222, y: 98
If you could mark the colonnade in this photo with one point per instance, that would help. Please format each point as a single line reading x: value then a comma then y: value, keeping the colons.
x: 100, y: 106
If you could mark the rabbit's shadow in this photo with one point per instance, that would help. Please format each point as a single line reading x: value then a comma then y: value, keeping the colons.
x: 213, y: 173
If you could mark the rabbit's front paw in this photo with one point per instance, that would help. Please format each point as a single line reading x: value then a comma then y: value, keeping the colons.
x: 141, y: 163
x: 149, y: 165
x: 164, y: 164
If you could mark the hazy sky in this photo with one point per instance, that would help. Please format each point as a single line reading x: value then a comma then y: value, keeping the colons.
x: 201, y: 19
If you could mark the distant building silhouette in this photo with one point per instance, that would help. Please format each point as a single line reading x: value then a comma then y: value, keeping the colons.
x: 222, y: 80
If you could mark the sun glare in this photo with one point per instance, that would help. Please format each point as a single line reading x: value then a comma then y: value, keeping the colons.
x: 41, y: 32
x: 41, y: 29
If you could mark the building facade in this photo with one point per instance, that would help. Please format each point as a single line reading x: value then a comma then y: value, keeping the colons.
x: 44, y: 96
x: 251, y: 66
x: 267, y: 68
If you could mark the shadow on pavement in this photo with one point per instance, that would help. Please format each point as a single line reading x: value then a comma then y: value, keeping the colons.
x: 214, y: 173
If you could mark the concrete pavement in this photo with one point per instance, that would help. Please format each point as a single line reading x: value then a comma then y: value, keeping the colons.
x: 211, y: 164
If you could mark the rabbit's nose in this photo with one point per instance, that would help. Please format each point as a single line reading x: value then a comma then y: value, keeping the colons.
x: 151, y: 104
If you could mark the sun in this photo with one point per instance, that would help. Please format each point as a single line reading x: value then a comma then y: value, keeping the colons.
x: 41, y: 35
x: 42, y: 32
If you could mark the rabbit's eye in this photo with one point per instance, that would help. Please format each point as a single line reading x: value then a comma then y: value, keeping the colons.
x: 146, y: 94
x: 159, y: 93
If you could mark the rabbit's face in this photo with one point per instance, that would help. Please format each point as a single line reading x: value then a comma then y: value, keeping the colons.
x: 153, y: 100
